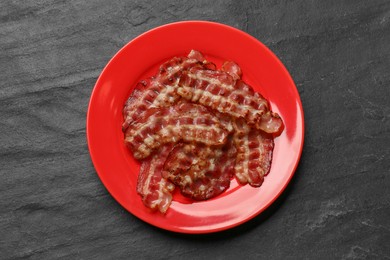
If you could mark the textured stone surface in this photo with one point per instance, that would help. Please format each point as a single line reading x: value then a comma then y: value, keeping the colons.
x: 52, y: 202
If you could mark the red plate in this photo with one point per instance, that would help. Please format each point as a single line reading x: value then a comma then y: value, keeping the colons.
x: 139, y: 59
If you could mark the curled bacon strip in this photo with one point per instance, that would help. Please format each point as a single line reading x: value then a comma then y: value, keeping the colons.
x: 254, y: 154
x: 224, y: 92
x: 184, y: 121
x: 156, y: 192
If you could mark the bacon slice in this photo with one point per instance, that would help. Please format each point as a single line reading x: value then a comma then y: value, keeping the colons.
x: 201, y: 172
x: 254, y: 154
x: 160, y: 90
x: 224, y: 92
x: 156, y: 192
x: 184, y: 121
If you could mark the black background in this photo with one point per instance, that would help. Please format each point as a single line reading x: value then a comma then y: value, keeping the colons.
x: 52, y: 204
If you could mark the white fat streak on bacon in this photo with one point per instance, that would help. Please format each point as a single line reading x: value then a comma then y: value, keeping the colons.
x: 167, y: 96
x: 241, y: 167
x: 156, y: 192
x: 200, y: 76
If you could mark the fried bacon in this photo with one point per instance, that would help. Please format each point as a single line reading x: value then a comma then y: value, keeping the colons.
x: 156, y: 192
x: 254, y: 153
x: 224, y: 92
x: 184, y: 121
x: 160, y: 90
x: 201, y: 172
x: 196, y: 127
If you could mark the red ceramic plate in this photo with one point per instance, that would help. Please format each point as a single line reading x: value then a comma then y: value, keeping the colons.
x: 139, y: 59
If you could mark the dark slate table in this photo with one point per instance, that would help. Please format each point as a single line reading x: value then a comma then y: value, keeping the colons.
x: 53, y: 204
